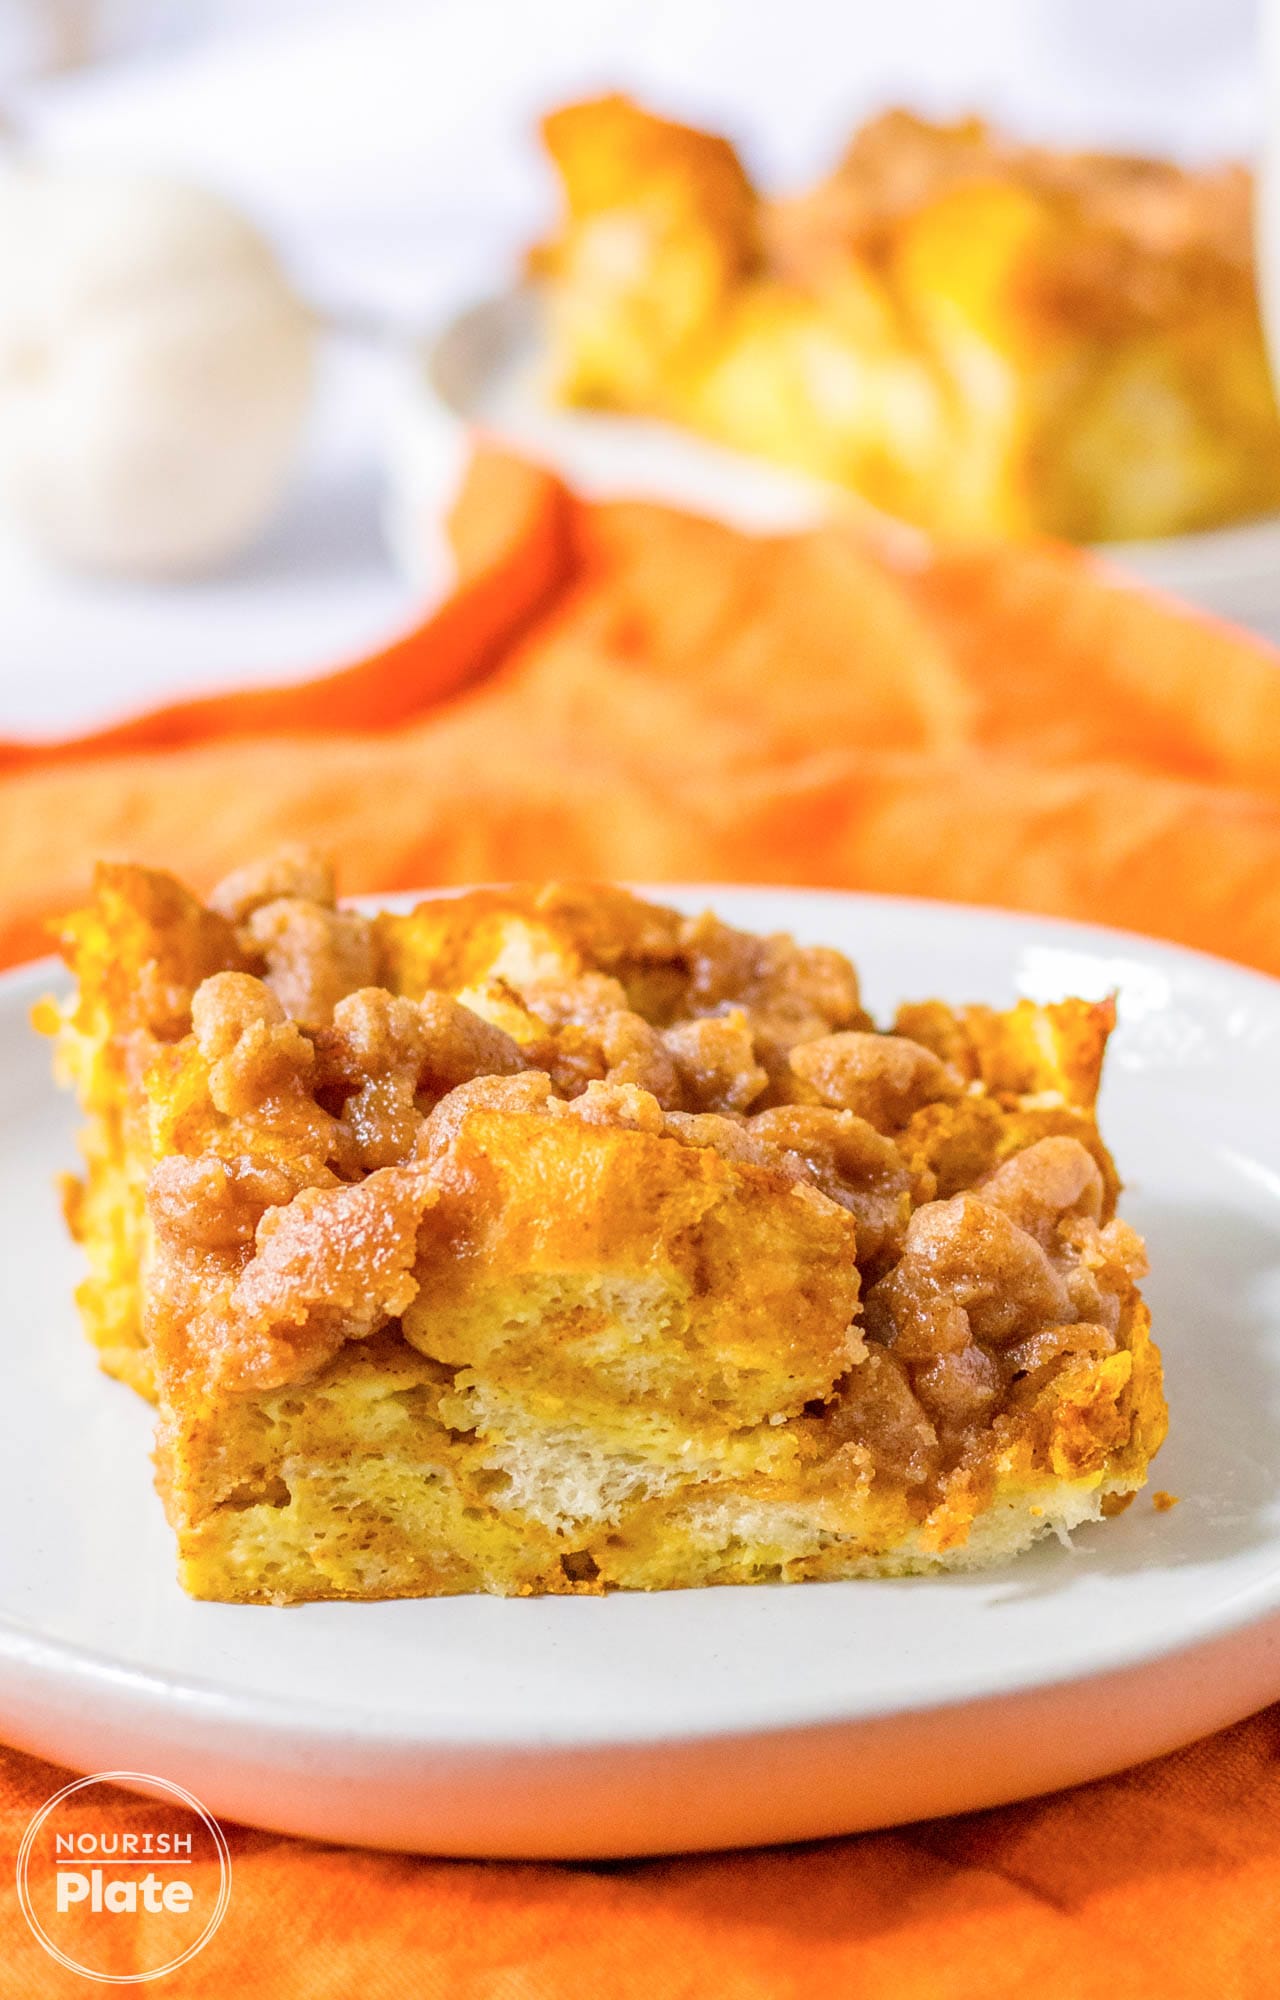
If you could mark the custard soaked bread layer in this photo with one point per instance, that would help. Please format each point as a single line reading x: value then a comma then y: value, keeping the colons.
x: 546, y: 1239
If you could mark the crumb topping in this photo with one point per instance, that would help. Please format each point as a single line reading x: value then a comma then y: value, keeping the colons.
x: 1135, y: 242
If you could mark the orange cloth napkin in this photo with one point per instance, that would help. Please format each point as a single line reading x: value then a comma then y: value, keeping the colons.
x: 620, y: 690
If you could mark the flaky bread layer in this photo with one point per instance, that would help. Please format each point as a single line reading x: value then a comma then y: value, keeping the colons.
x: 366, y: 1488
x: 428, y: 1543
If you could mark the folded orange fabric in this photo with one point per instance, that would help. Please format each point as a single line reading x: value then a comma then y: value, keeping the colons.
x: 621, y: 690
x: 1160, y: 1884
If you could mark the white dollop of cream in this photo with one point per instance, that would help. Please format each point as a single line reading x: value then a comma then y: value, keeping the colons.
x: 155, y: 370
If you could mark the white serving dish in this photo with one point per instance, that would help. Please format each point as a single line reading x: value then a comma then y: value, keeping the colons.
x: 638, y: 1724
x: 485, y: 372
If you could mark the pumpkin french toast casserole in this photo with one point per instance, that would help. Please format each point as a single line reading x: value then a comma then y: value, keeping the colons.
x: 546, y: 1239
x: 975, y: 334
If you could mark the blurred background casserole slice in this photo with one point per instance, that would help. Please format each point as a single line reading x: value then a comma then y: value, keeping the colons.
x: 978, y: 335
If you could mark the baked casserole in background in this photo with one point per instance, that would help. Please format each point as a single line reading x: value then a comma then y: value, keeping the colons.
x: 976, y: 335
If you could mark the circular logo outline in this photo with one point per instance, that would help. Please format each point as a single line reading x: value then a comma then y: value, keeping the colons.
x: 126, y: 1779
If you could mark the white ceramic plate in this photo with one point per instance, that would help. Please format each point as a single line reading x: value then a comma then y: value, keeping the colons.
x: 586, y: 1726
x: 486, y: 370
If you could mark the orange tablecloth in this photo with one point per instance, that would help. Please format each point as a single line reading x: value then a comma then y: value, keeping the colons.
x: 619, y: 690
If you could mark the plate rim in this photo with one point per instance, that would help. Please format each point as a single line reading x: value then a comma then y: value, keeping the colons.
x: 24, y: 1648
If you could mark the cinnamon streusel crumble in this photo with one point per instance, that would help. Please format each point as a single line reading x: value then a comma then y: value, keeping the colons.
x: 546, y: 1239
